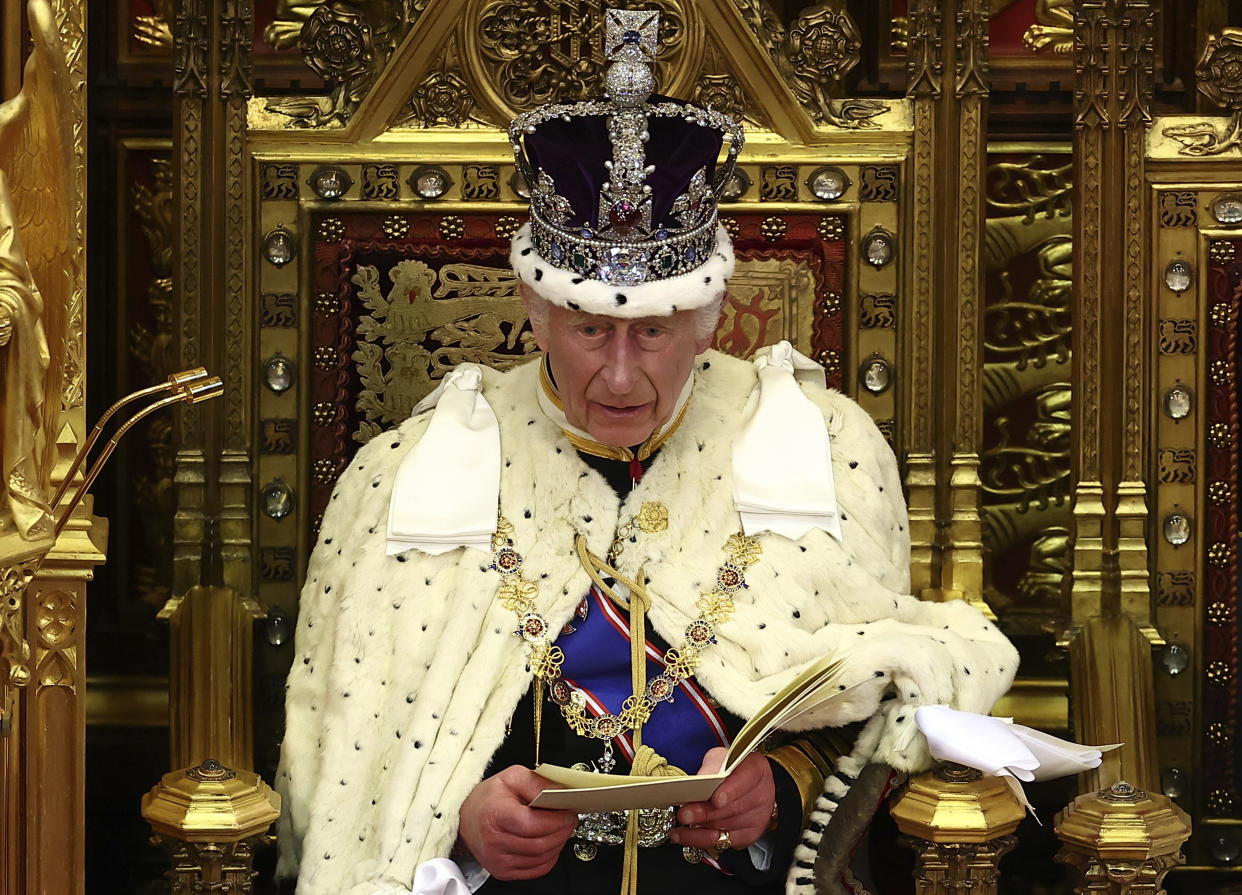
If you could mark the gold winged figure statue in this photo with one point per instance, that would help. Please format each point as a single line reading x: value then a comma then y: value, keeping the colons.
x: 37, y: 246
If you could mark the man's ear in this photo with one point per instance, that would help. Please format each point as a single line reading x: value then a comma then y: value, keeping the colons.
x: 538, y: 315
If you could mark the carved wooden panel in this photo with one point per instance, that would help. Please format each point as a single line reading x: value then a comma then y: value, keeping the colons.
x: 1221, y: 762
x: 1025, y: 463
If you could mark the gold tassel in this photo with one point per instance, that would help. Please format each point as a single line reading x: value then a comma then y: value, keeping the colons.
x: 647, y: 762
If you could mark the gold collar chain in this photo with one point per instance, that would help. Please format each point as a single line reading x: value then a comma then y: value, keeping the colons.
x: 518, y: 594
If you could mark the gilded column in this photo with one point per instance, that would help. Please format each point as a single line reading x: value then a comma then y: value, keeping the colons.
x: 211, y: 650
x: 52, y: 712
x: 925, y: 70
x: 1090, y: 128
x: 962, y: 574
x: 946, y: 289
x: 215, y: 71
x: 211, y: 627
x: 54, y: 704
x: 71, y: 29
x: 1110, y: 635
x: 236, y: 29
x: 1135, y: 85
x: 42, y: 765
x: 191, y: 75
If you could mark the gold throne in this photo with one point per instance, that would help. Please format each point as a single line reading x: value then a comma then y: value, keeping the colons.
x: 1008, y: 228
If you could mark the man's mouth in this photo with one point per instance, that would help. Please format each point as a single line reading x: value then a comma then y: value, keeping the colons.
x: 621, y: 412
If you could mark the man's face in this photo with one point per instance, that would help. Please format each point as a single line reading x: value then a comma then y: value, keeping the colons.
x: 619, y: 379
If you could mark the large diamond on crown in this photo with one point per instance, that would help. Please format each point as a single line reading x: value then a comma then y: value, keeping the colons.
x: 624, y: 266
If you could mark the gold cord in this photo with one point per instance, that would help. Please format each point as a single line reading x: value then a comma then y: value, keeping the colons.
x: 538, y: 715
x: 639, y: 603
x: 646, y: 761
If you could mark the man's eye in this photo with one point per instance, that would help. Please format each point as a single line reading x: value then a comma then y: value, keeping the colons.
x: 650, y: 333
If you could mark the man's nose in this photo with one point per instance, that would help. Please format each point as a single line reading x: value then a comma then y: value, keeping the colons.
x: 620, y: 371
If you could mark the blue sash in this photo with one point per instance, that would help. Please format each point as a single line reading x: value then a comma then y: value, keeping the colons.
x: 596, y: 644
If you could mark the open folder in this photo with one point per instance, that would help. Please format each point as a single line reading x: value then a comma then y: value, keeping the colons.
x: 584, y: 791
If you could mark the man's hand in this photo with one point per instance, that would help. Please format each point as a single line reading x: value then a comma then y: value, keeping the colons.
x: 6, y: 325
x: 742, y: 806
x: 504, y: 834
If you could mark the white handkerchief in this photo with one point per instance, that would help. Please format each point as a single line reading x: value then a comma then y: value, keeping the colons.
x: 1057, y: 757
x: 1000, y: 748
x: 439, y: 876
x: 977, y: 741
x: 782, y: 462
x: 448, y: 485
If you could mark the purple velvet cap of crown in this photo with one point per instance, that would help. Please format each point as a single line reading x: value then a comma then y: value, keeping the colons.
x: 573, y: 154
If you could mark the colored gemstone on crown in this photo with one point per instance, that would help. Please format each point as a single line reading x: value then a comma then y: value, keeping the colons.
x: 624, y: 216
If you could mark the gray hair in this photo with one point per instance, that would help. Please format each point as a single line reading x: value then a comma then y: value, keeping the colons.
x: 707, y: 318
x: 536, y: 306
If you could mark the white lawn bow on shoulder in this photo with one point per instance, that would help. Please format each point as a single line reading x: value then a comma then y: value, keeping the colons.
x: 782, y: 462
x: 1000, y: 748
x: 447, y: 487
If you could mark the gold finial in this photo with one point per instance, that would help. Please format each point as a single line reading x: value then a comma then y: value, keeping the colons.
x: 210, y: 771
x: 1122, y: 793
x: 951, y: 772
